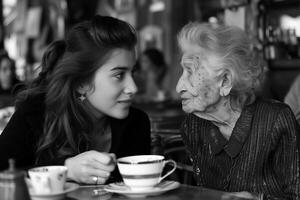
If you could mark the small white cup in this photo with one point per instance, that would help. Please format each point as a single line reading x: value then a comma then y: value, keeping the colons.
x: 143, y: 172
x: 48, y: 179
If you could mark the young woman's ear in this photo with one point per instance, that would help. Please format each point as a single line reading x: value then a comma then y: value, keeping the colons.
x: 226, y: 83
x: 83, y: 89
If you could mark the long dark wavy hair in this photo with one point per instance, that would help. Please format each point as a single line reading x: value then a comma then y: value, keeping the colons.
x: 66, y: 65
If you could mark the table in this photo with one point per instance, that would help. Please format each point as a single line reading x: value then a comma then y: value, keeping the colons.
x: 5, y: 115
x: 184, y: 192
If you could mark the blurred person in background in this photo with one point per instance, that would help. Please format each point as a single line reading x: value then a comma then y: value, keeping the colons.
x: 9, y: 83
x: 236, y: 141
x: 78, y: 112
x: 151, y: 78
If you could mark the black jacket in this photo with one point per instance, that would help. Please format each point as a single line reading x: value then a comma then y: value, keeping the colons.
x: 130, y: 136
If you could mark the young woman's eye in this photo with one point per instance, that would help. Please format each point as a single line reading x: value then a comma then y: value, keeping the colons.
x: 120, y: 76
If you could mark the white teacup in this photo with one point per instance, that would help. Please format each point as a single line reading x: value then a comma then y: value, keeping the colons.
x: 143, y: 172
x: 48, y: 179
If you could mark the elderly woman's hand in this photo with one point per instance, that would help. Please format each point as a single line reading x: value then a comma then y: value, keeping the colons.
x: 91, y: 167
x: 243, y: 194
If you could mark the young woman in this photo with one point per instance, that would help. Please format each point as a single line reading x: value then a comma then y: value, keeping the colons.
x: 77, y: 112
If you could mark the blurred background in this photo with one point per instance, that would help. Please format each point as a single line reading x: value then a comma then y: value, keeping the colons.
x: 28, y: 26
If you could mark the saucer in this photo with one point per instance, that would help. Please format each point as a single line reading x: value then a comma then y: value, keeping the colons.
x: 121, y: 188
x: 69, y: 187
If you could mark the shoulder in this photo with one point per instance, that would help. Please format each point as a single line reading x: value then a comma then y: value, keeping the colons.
x: 269, y: 111
x: 275, y: 116
x: 271, y: 106
x: 31, y: 104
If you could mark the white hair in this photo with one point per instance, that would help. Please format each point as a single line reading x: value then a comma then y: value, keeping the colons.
x: 233, y: 47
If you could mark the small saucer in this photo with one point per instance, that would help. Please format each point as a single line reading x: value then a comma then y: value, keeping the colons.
x: 69, y: 187
x: 121, y: 188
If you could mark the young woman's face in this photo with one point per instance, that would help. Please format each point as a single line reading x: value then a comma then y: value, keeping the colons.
x: 198, y: 86
x: 114, y: 87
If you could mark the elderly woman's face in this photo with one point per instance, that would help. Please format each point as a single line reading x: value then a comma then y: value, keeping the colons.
x: 198, y: 86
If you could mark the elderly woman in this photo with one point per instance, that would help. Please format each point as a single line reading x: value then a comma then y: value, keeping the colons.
x: 236, y: 142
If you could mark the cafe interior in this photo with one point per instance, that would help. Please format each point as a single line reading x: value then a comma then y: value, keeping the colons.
x: 27, y: 27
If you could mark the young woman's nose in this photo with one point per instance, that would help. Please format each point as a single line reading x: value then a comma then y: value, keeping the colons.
x: 130, y: 87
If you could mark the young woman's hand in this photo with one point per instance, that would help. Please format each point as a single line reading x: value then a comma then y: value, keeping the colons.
x: 91, y: 167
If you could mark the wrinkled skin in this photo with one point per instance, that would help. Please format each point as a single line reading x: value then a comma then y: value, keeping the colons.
x: 204, y: 88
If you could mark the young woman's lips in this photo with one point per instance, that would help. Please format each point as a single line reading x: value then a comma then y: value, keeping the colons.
x: 126, y: 102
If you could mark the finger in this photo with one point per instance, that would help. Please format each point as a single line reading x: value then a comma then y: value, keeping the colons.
x: 99, y: 166
x: 93, y: 180
x: 229, y: 196
x: 100, y: 173
x: 87, y: 174
x: 243, y: 194
x: 98, y: 180
x: 113, y: 157
x: 102, y: 157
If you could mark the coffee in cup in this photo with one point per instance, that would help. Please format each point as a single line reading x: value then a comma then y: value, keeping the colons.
x: 48, y: 179
x: 144, y: 171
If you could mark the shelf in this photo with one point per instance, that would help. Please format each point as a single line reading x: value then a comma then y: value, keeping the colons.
x: 285, y: 64
x: 281, y: 4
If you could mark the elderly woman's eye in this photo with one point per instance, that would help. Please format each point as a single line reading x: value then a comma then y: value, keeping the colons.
x: 190, y: 57
x: 189, y: 66
x: 187, y: 63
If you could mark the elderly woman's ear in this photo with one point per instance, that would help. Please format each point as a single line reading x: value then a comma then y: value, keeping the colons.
x: 226, y: 83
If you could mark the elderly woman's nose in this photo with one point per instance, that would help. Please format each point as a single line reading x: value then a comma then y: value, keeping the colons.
x: 180, y: 87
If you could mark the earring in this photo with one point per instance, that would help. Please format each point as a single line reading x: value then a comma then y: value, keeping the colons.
x: 82, y: 97
x: 222, y: 93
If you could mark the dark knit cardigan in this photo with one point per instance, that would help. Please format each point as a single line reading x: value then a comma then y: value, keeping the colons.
x: 261, y: 156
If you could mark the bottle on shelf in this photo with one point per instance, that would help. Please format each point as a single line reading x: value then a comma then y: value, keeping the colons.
x: 292, y: 46
x: 270, y: 46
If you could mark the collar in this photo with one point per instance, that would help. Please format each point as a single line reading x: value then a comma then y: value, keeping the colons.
x: 240, y: 132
